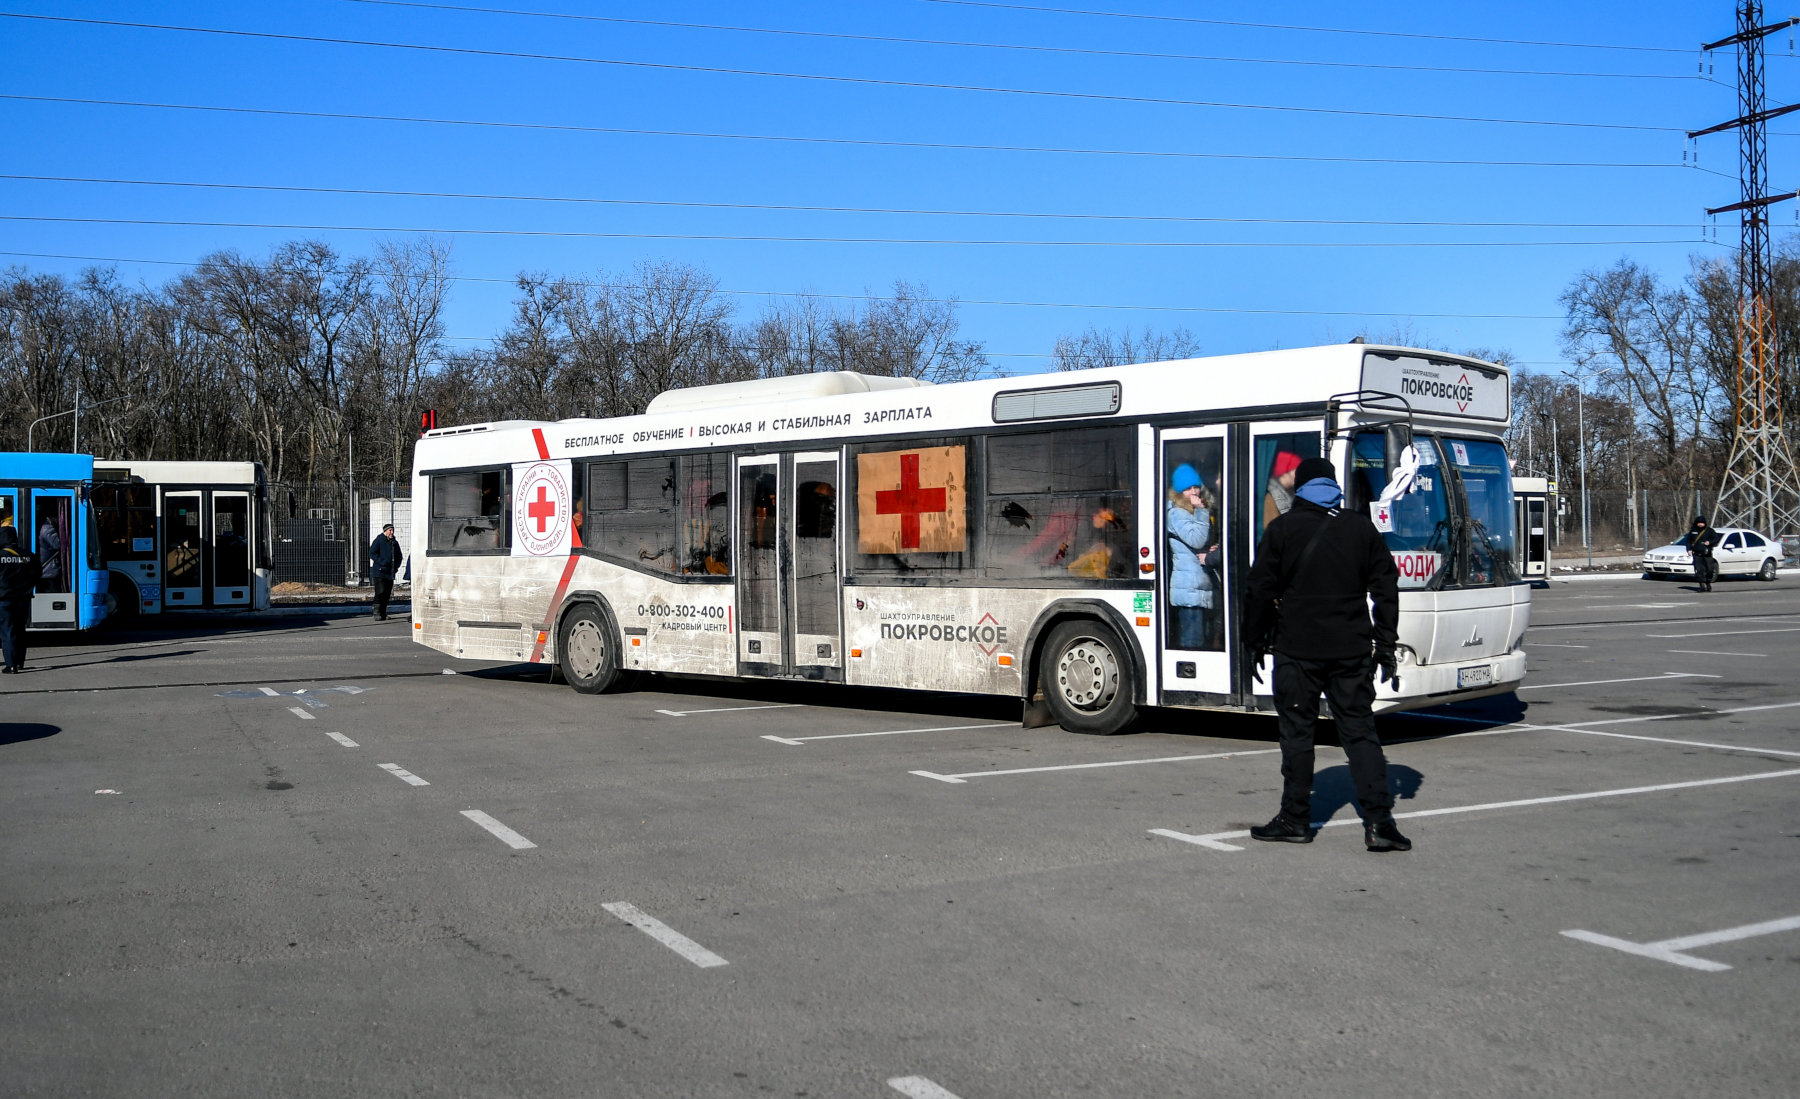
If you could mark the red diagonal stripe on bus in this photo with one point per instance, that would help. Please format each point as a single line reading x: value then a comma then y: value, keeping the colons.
x: 556, y: 598
x: 537, y: 433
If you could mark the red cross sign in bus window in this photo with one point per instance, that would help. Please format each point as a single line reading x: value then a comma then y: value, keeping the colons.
x: 543, y: 509
x: 912, y: 500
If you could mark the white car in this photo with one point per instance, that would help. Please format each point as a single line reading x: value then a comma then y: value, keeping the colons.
x: 1740, y: 552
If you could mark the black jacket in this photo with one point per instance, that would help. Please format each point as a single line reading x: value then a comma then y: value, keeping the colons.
x: 19, y: 568
x: 1701, y: 543
x: 384, y: 557
x: 1324, y: 613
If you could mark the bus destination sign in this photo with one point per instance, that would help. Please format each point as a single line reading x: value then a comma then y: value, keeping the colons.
x: 1446, y: 388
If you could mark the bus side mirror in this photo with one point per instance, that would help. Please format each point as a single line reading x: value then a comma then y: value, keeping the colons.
x: 1399, y: 437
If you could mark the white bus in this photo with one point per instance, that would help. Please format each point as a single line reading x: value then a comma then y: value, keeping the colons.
x: 184, y: 535
x: 1001, y: 536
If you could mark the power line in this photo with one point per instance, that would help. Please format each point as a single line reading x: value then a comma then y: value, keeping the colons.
x: 1097, y: 306
x: 1317, y: 30
x: 917, y: 85
x: 780, y: 239
x: 1016, y: 46
x: 793, y: 208
x: 852, y: 141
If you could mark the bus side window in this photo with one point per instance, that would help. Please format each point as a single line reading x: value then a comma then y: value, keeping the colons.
x: 705, y: 515
x: 470, y: 513
x: 1277, y: 467
x: 630, y: 514
x: 1059, y: 504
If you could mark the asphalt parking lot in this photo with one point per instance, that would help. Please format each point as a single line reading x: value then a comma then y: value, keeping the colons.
x: 295, y: 857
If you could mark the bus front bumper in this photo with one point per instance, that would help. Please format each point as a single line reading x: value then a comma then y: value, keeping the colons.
x: 1427, y: 685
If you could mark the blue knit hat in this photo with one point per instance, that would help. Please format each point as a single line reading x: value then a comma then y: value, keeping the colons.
x: 1184, y: 478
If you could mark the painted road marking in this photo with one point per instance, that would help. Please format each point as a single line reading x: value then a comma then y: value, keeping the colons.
x: 1708, y: 652
x: 729, y: 709
x: 796, y: 741
x: 1215, y: 840
x: 402, y: 773
x: 1674, y: 951
x: 507, y: 836
x: 1633, y: 679
x: 918, y: 1087
x: 344, y: 740
x: 1666, y: 740
x: 1552, y: 645
x: 665, y: 935
x: 270, y: 691
x: 1614, y: 625
x: 967, y: 775
x: 300, y: 712
x: 1726, y: 633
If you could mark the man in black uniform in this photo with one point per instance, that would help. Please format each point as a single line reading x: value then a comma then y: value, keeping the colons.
x: 384, y: 562
x: 1315, y: 572
x: 18, y: 576
x: 1702, y: 540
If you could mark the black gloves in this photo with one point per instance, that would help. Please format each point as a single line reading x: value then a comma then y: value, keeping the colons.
x: 1390, y: 667
x: 1256, y: 658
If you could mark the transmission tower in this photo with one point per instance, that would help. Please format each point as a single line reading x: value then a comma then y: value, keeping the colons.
x: 1760, y: 488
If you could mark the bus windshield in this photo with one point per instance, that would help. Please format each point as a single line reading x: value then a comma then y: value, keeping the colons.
x: 1417, y: 526
x: 1487, y: 488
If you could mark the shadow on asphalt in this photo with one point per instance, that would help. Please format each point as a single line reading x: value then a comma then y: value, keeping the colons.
x: 18, y: 732
x: 1334, y: 790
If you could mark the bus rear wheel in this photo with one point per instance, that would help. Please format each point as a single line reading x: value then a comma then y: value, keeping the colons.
x: 1087, y: 678
x: 587, y: 652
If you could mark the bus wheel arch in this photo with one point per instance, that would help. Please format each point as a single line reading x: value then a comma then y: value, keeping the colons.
x: 589, y: 645
x: 1091, y: 635
x: 123, y: 598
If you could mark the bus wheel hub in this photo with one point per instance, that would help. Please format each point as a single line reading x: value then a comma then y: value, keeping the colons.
x: 1088, y: 674
x: 587, y: 649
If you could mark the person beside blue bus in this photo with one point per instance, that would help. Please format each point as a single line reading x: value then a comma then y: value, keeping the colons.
x: 18, y: 576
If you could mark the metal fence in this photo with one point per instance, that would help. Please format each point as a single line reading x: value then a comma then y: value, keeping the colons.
x: 323, y: 531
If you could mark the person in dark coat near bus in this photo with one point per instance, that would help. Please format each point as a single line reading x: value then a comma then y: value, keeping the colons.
x: 1702, y: 540
x: 18, y: 577
x: 384, y: 562
x: 1317, y: 569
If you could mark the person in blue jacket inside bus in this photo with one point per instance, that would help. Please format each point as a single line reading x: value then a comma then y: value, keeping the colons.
x: 1190, y: 536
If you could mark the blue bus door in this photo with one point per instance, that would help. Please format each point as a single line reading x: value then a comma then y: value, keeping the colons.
x: 53, y: 533
x: 184, y: 549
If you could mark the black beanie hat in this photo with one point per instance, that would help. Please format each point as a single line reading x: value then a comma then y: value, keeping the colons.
x: 1311, y: 469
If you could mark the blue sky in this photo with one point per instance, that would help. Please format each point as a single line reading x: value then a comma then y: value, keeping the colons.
x: 1240, y: 284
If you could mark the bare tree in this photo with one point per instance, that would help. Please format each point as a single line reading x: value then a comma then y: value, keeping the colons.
x: 1100, y: 347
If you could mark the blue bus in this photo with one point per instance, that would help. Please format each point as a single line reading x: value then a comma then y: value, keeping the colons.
x: 48, y: 498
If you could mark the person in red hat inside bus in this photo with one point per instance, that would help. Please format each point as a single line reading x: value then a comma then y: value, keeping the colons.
x: 1280, y: 497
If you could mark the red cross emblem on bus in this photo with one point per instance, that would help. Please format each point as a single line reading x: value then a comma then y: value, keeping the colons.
x: 909, y: 501
x: 542, y: 509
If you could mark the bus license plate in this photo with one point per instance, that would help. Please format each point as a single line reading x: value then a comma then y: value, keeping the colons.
x: 1479, y: 676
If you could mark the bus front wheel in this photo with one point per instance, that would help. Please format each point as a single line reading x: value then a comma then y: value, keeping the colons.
x: 1087, y: 678
x: 588, y: 653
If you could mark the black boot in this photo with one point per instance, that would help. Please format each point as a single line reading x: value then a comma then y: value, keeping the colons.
x: 1382, y: 835
x: 1283, y: 829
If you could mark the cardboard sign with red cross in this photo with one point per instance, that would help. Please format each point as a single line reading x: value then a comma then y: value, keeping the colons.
x: 912, y: 501
x: 541, y: 511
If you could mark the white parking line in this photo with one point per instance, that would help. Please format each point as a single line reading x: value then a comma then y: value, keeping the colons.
x: 1726, y: 633
x: 1674, y: 951
x: 507, y: 836
x: 401, y: 773
x: 967, y: 775
x: 300, y: 712
x: 1633, y: 679
x: 729, y: 709
x: 1709, y: 652
x: 1552, y: 645
x: 342, y: 739
x: 270, y: 691
x: 918, y: 1087
x: 796, y: 741
x: 1214, y: 839
x: 665, y: 935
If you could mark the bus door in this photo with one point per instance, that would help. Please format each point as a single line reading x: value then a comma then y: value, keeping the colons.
x: 788, y: 590
x: 52, y: 535
x: 9, y: 509
x: 1197, y: 630
x: 184, y: 550
x: 232, y: 545
x: 1270, y: 476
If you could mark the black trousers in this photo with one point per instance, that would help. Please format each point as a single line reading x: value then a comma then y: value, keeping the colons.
x: 384, y: 591
x: 14, y: 614
x: 1349, y: 689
